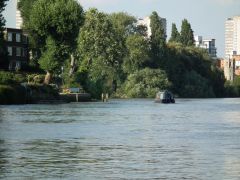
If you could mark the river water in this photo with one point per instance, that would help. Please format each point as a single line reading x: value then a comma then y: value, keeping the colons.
x: 122, y: 139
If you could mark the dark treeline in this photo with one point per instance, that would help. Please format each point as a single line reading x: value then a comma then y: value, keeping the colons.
x: 3, y: 49
x: 110, y: 53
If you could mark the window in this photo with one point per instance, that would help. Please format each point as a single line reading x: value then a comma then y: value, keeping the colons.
x: 23, y: 52
x: 18, y: 51
x: 10, y: 51
x: 18, y: 65
x: 24, y: 39
x: 9, y: 37
x: 18, y: 37
x: 11, y: 66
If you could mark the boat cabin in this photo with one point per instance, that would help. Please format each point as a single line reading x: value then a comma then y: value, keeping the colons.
x: 165, y: 97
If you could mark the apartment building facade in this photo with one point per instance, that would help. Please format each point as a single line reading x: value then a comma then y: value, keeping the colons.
x: 208, y: 44
x: 19, y: 20
x: 17, y: 47
x: 232, y: 37
x: 147, y: 22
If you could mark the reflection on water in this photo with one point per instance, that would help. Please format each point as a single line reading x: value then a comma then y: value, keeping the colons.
x: 122, y: 139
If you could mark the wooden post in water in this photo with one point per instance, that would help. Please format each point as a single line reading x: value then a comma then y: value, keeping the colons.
x: 106, y: 97
x: 102, y: 97
x: 76, y: 97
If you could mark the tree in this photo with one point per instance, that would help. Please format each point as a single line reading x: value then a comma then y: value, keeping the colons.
x: 145, y: 83
x: 52, y: 58
x: 187, y: 37
x: 124, y: 26
x: 35, y: 41
x: 175, y: 35
x: 138, y: 53
x: 196, y: 86
x: 141, y: 30
x: 99, y: 50
x: 25, y: 7
x: 3, y: 51
x: 59, y: 21
x: 123, y: 23
x: 158, y: 39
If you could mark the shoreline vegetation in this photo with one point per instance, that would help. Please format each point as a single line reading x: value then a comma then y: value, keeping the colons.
x: 110, y: 54
x: 20, y: 88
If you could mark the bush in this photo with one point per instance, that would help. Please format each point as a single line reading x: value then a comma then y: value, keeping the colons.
x: 8, y: 78
x: 231, y: 90
x: 36, y: 78
x: 145, y: 83
x: 195, y: 86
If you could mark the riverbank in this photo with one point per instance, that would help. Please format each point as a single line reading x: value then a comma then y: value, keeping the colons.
x: 27, y: 94
x: 37, y: 94
x: 12, y: 94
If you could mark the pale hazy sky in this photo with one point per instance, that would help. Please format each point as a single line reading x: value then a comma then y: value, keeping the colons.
x: 207, y: 17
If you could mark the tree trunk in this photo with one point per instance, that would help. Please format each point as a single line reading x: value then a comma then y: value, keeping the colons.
x: 72, y: 66
x: 48, y: 78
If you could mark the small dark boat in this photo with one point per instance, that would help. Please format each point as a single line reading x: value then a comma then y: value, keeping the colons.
x: 164, y: 97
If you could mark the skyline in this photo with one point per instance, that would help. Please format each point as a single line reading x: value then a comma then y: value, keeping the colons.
x: 206, y: 17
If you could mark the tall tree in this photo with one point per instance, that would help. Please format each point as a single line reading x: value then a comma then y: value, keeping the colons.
x: 175, y: 35
x: 124, y: 26
x: 25, y: 7
x: 57, y: 23
x: 99, y: 49
x: 138, y: 53
x: 35, y: 41
x: 187, y: 37
x: 158, y: 38
x: 123, y: 23
x: 3, y: 51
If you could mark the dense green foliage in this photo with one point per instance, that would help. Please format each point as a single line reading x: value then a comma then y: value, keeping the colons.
x: 187, y: 37
x: 175, y: 35
x: 35, y: 40
x: 157, y: 40
x: 145, y: 83
x: 138, y: 53
x: 9, y: 78
x: 12, y: 92
x: 123, y: 24
x: 3, y: 50
x: 53, y: 26
x: 99, y: 50
x: 52, y: 58
x: 112, y: 54
x: 192, y: 72
x: 233, y: 89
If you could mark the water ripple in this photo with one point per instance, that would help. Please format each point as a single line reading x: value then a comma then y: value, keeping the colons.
x: 122, y: 139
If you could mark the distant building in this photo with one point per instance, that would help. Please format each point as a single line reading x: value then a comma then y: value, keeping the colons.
x: 229, y: 69
x: 236, y: 58
x: 17, y: 46
x: 147, y: 21
x: 19, y: 20
x: 232, y: 37
x: 220, y: 63
x: 208, y: 44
